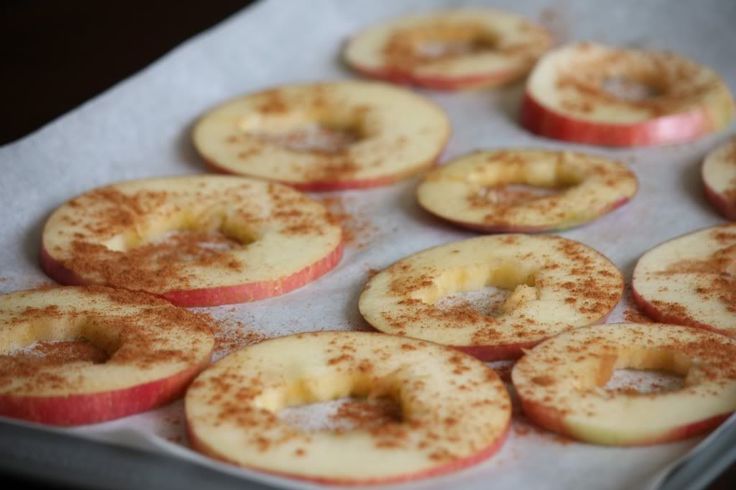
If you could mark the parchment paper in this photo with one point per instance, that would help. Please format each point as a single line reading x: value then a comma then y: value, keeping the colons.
x: 141, y: 128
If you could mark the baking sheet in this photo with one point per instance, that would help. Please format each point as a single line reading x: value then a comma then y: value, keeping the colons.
x: 141, y: 128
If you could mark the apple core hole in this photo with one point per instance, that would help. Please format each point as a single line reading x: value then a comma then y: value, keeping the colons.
x: 343, y: 414
x: 50, y: 353
x: 630, y: 89
x: 491, y: 291
x: 316, y: 137
x: 439, y: 41
x: 511, y: 194
x: 634, y: 381
x: 643, y: 371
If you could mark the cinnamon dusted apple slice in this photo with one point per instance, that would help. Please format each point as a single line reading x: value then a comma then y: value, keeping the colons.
x: 595, y: 94
x: 691, y: 280
x: 197, y: 241
x: 535, y: 287
x: 79, y: 355
x: 454, y: 411
x: 325, y: 136
x: 719, y: 177
x: 562, y: 383
x: 449, y: 50
x: 526, y: 190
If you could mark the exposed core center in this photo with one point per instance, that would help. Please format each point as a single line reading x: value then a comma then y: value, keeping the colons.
x: 629, y: 89
x: 491, y: 290
x: 343, y: 414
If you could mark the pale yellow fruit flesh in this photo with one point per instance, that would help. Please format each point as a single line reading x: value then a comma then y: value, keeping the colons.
x: 571, y: 81
x: 232, y: 407
x: 77, y: 313
x: 566, y: 375
x: 510, y: 44
x: 397, y: 133
x: 692, y: 278
x: 556, y: 284
x: 588, y: 187
x: 280, y: 231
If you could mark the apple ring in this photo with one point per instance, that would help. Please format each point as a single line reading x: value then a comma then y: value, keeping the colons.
x: 325, y: 136
x: 719, y: 179
x: 553, y: 284
x: 450, y: 50
x: 455, y: 410
x: 567, y: 189
x: 690, y: 280
x: 196, y: 241
x: 150, y: 351
x: 560, y: 383
x: 595, y: 94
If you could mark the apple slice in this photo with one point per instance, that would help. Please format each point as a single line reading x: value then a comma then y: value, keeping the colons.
x: 595, y: 94
x: 525, y: 190
x: 455, y: 411
x: 325, y: 136
x: 691, y: 280
x: 719, y: 178
x: 196, y: 241
x: 551, y: 284
x: 80, y: 355
x: 561, y: 383
x: 449, y: 50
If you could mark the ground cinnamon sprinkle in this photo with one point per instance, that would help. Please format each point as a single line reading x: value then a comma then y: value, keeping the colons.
x: 368, y: 414
x: 135, y: 335
x: 233, y: 335
x: 171, y: 260
x: 673, y: 80
x: 358, y: 229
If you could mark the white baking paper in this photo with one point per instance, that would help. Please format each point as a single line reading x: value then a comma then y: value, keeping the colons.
x: 141, y: 128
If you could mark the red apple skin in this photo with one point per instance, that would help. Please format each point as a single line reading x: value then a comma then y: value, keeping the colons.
x: 527, y: 229
x: 438, y: 83
x: 216, y: 295
x: 724, y: 205
x: 341, y: 185
x: 457, y: 465
x: 665, y: 316
x: 675, y: 128
x: 554, y: 421
x: 497, y: 352
x: 324, y: 185
x: 97, y: 407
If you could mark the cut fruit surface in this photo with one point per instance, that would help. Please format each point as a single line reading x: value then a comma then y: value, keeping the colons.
x: 79, y: 355
x: 454, y: 411
x: 197, y: 241
x: 691, y: 280
x: 324, y: 136
x: 562, y: 383
x: 449, y: 50
x: 719, y: 178
x: 595, y: 94
x: 554, y: 284
x: 525, y: 190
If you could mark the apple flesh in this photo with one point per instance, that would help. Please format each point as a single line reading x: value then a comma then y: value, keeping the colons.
x: 155, y: 350
x: 719, y: 179
x: 553, y: 284
x: 567, y: 97
x: 561, y: 383
x: 450, y: 50
x: 232, y: 408
x: 476, y: 191
x: 324, y: 136
x: 196, y: 241
x: 691, y: 280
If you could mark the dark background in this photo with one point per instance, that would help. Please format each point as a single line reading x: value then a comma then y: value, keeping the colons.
x: 56, y: 54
